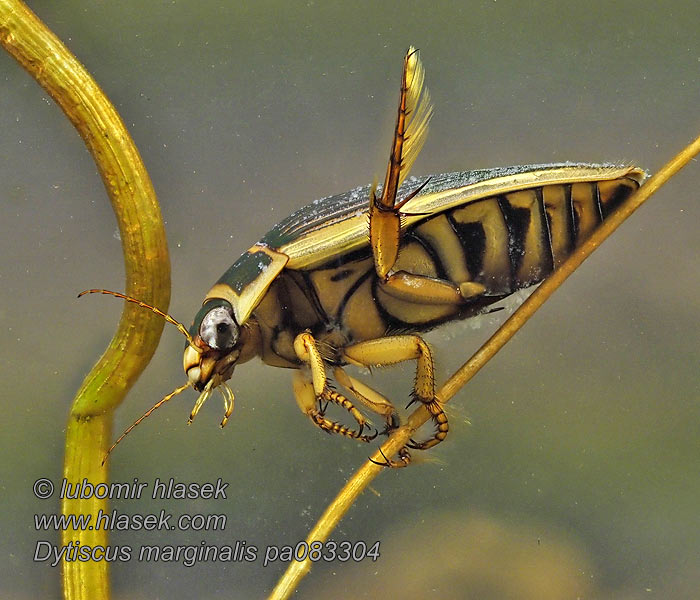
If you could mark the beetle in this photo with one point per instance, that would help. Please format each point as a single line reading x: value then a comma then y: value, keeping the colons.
x: 354, y: 279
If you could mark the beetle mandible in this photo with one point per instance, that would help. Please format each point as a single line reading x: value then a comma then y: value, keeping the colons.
x: 323, y: 290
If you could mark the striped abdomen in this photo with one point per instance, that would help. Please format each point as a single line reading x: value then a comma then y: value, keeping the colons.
x: 503, y: 242
x: 511, y: 241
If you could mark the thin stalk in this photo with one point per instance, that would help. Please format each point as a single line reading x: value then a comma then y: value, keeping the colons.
x: 368, y: 471
x: 146, y: 259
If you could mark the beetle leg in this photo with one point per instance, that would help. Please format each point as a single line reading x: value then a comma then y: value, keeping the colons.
x: 411, y: 130
x: 311, y: 394
x: 372, y: 399
x: 404, y: 456
x: 410, y: 133
x: 307, y: 401
x: 429, y: 290
x: 391, y: 350
x: 385, y: 228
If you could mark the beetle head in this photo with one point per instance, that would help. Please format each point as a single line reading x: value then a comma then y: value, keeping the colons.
x: 217, y: 345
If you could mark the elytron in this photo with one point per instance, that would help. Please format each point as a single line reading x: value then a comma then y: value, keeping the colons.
x: 354, y: 279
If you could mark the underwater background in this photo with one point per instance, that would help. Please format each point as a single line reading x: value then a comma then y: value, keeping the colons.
x: 571, y: 467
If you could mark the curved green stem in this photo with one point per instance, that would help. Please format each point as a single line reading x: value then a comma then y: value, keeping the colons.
x: 146, y: 259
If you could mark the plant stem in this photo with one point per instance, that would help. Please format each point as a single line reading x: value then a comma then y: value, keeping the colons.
x: 146, y: 259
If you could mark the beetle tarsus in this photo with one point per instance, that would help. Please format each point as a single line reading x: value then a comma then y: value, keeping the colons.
x: 395, y: 349
x: 441, y: 428
x: 330, y: 426
x: 404, y: 459
x: 318, y: 391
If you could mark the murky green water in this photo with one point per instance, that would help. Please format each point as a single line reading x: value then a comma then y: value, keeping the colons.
x: 578, y: 474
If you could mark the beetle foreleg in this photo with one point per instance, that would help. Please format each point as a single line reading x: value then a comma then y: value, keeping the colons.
x: 395, y: 349
x: 310, y: 394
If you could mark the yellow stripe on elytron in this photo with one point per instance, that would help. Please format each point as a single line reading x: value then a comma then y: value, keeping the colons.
x: 250, y: 296
x: 318, y: 246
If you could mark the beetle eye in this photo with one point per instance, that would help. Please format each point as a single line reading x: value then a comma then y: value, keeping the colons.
x: 219, y: 329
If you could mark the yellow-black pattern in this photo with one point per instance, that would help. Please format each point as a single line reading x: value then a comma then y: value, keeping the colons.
x: 504, y: 242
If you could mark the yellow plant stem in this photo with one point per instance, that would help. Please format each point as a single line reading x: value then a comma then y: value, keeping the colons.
x: 368, y: 471
x: 147, y: 264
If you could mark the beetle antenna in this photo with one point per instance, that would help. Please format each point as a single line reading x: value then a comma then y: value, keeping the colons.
x: 143, y: 416
x: 166, y: 316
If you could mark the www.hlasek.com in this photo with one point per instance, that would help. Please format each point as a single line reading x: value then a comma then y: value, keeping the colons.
x: 187, y: 555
